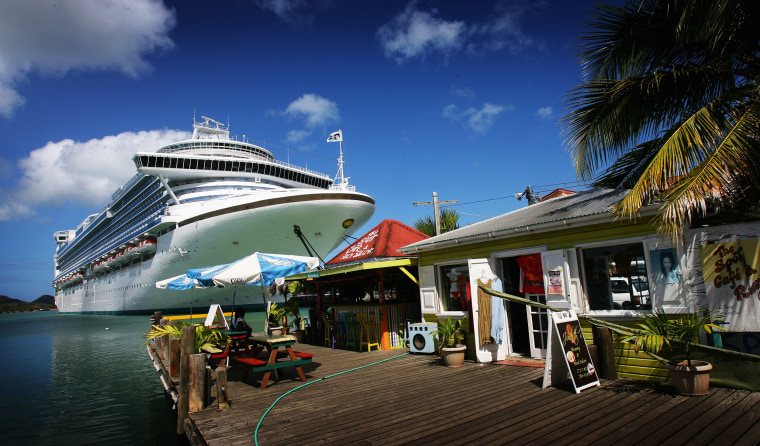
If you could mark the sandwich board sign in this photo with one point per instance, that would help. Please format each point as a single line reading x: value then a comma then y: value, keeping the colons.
x: 216, y: 317
x: 567, y: 353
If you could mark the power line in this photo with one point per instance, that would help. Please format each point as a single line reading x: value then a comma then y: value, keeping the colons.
x: 547, y: 188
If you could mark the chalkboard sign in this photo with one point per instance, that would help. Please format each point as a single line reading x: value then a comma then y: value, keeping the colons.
x: 567, y: 351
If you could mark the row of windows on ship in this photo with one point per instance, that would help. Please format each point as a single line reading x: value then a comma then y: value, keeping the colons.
x: 72, y: 290
x: 231, y: 166
x: 219, y: 147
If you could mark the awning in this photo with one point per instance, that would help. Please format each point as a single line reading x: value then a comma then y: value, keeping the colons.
x: 366, y: 266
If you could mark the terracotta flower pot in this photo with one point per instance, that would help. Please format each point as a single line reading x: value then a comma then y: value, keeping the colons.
x: 300, y: 336
x: 691, y: 380
x: 453, y: 356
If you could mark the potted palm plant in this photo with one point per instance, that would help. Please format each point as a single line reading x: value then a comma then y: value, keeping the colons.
x: 450, y: 335
x: 275, y: 316
x: 690, y: 377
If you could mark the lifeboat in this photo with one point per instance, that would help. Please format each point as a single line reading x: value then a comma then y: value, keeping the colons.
x: 129, y: 253
x: 117, y: 260
x: 100, y: 266
x: 146, y: 247
x: 70, y: 279
x: 112, y: 261
x: 76, y: 278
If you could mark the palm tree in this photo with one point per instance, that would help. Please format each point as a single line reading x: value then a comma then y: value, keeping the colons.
x: 449, y: 222
x: 669, y: 106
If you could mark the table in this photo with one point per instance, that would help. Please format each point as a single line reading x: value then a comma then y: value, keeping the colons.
x: 273, y: 345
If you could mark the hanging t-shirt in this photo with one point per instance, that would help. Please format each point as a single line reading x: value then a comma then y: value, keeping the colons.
x: 497, y: 313
x: 531, y: 274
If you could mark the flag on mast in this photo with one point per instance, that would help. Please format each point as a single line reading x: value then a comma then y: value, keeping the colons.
x: 335, y: 136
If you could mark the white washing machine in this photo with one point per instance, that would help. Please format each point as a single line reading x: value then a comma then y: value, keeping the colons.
x: 421, y: 339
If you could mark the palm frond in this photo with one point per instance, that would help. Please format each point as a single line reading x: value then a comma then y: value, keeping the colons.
x: 667, y: 107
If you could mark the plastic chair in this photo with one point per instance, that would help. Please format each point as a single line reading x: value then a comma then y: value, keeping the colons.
x: 369, y: 333
x: 329, y: 335
x: 353, y: 334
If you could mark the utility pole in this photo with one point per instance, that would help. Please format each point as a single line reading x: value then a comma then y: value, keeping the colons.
x: 435, y: 204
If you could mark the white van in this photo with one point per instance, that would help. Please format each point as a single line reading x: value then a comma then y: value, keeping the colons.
x: 628, y: 297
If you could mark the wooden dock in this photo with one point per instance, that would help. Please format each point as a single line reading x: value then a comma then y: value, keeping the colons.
x: 412, y: 399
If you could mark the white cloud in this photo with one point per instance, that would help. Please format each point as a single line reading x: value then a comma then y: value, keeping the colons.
x: 477, y: 120
x: 317, y: 110
x: 462, y: 92
x: 545, y: 112
x: 416, y: 33
x: 85, y: 173
x: 53, y: 38
x: 288, y: 10
x: 296, y: 136
x: 503, y: 31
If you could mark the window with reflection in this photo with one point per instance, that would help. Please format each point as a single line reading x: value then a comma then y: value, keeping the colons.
x: 455, y: 284
x: 615, y: 277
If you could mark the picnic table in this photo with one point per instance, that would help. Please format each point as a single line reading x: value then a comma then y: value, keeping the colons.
x: 273, y: 344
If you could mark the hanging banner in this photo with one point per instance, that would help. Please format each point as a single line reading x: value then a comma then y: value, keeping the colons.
x: 732, y: 282
x: 567, y: 352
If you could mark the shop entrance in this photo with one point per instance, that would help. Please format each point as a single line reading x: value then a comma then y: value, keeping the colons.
x: 517, y: 313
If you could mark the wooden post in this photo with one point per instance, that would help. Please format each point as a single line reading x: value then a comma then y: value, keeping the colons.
x: 197, y: 397
x: 162, y: 342
x: 187, y: 347
x: 174, y: 356
x: 222, y: 396
x: 603, y: 339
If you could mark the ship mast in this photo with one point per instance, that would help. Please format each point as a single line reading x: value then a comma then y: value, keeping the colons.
x: 341, y: 181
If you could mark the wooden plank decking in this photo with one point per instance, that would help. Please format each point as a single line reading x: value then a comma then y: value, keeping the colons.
x: 413, y: 399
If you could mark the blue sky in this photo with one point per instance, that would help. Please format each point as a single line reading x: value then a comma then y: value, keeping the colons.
x: 461, y: 98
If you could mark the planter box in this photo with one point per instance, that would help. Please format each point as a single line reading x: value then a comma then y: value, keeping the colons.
x: 691, y: 381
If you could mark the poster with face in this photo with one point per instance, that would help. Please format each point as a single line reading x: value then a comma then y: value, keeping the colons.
x: 665, y: 266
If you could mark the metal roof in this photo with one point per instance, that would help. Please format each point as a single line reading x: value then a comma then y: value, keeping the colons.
x: 563, y: 210
x: 381, y: 242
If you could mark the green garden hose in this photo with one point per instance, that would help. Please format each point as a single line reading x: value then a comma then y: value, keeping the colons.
x: 256, y: 433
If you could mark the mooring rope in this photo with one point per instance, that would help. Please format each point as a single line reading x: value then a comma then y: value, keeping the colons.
x: 256, y: 433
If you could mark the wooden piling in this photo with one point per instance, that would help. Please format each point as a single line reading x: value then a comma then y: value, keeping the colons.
x: 197, y: 384
x: 174, y: 356
x: 222, y: 394
x: 187, y: 347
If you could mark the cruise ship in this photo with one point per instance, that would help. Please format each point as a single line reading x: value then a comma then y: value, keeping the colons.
x: 208, y: 200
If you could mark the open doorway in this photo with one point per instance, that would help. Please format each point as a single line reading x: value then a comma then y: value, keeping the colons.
x: 516, y: 313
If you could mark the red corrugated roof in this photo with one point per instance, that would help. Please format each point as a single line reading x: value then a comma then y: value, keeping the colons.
x: 382, y: 241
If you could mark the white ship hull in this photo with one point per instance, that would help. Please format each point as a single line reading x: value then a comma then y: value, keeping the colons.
x: 266, y: 227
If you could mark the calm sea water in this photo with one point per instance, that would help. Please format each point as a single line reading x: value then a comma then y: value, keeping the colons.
x: 84, y: 380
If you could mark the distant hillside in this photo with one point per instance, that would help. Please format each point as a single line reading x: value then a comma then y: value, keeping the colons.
x: 8, y: 300
x: 10, y: 305
x: 45, y: 299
